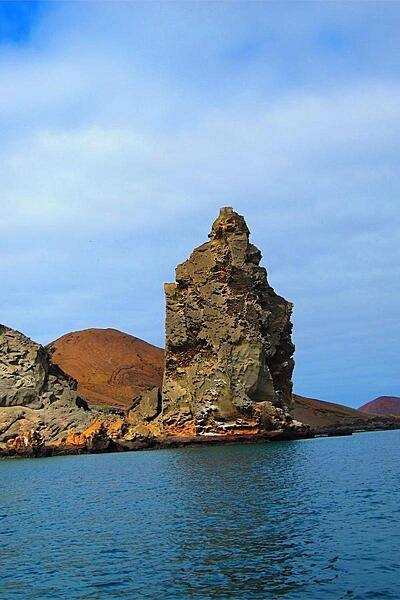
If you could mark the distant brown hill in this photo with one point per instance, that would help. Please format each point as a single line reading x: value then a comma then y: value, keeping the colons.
x: 383, y: 405
x: 319, y: 413
x: 110, y: 367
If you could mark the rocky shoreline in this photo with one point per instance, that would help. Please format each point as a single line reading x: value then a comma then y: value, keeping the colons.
x: 226, y: 375
x: 103, y: 444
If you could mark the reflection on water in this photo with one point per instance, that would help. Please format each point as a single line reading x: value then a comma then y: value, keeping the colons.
x: 310, y: 519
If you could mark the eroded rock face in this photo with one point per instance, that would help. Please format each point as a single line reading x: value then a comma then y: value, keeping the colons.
x: 228, y: 362
x: 38, y: 401
x: 27, y: 377
x: 145, y: 407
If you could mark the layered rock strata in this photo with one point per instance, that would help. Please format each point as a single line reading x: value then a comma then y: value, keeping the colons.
x: 229, y: 353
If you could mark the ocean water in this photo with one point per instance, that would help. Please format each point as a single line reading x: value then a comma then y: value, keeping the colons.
x: 305, y: 519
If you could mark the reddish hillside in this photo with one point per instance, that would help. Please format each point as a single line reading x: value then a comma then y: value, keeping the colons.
x: 318, y: 413
x: 384, y: 405
x: 110, y: 367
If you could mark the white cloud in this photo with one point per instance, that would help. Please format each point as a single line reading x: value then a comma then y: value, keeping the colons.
x: 114, y: 161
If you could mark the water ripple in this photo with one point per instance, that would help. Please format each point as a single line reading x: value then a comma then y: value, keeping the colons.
x: 302, y: 520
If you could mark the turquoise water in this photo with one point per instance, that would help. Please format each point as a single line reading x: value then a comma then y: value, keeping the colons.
x: 307, y: 519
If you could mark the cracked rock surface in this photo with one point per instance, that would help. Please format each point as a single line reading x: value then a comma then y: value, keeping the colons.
x: 38, y: 401
x: 27, y: 376
x: 229, y: 353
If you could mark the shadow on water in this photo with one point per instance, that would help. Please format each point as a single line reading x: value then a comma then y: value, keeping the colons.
x: 310, y: 519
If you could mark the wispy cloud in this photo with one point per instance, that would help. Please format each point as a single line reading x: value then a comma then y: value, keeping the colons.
x: 124, y: 127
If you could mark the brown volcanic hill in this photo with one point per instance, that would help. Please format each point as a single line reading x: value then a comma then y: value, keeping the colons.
x: 110, y: 367
x: 383, y: 405
x: 319, y: 413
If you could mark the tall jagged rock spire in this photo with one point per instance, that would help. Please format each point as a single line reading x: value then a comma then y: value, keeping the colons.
x: 228, y: 362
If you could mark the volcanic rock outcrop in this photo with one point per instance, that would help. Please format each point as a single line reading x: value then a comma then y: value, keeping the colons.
x: 38, y: 402
x: 229, y: 353
x: 27, y: 377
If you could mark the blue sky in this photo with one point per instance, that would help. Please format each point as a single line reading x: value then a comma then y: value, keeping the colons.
x: 124, y: 128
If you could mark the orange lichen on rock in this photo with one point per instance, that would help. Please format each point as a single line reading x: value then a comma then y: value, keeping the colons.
x: 98, y: 434
x: 27, y: 443
x: 73, y: 439
x: 243, y: 430
x: 187, y: 429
